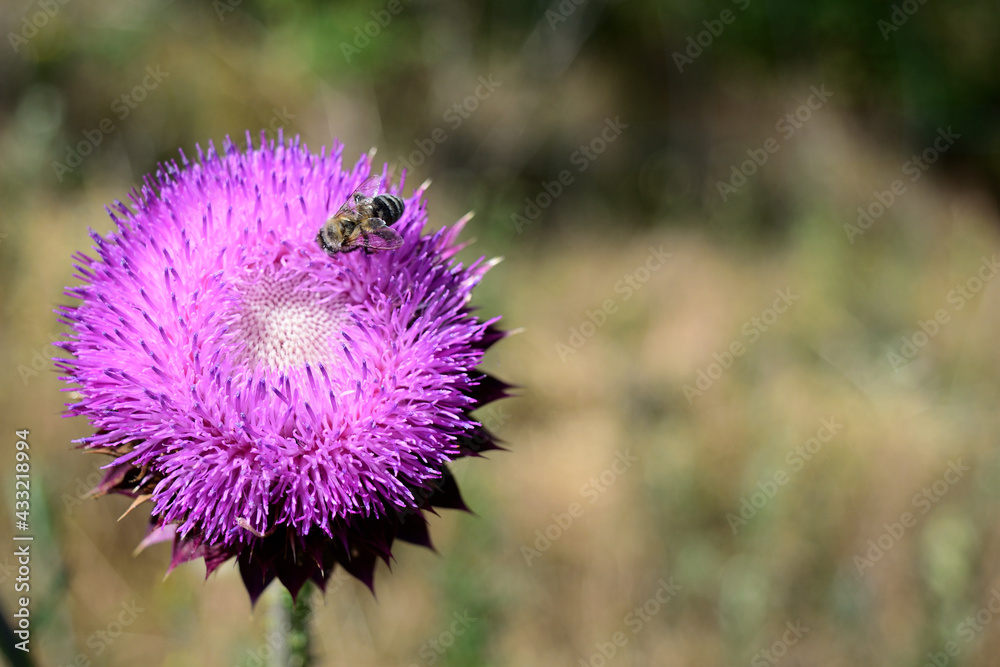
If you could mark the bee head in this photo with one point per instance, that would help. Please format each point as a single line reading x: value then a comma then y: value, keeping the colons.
x: 325, y: 243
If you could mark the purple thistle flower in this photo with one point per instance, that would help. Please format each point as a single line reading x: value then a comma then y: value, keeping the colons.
x: 274, y: 404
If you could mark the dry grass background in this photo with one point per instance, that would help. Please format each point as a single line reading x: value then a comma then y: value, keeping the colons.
x: 664, y: 518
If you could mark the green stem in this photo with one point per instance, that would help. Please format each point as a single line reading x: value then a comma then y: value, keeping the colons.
x: 294, y: 617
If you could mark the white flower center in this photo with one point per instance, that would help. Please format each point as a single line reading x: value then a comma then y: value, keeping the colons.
x: 285, y: 324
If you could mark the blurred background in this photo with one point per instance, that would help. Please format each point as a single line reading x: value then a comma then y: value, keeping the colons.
x: 751, y: 244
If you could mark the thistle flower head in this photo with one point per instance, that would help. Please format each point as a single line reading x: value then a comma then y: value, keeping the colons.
x: 272, y: 403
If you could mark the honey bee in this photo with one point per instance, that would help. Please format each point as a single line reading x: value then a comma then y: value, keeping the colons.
x: 363, y: 222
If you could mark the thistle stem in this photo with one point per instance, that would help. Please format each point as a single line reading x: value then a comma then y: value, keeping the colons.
x: 293, y: 620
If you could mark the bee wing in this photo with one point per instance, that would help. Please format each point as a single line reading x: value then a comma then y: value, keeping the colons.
x: 366, y: 190
x: 382, y: 238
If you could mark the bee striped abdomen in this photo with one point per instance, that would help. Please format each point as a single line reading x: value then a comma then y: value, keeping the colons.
x: 388, y: 208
